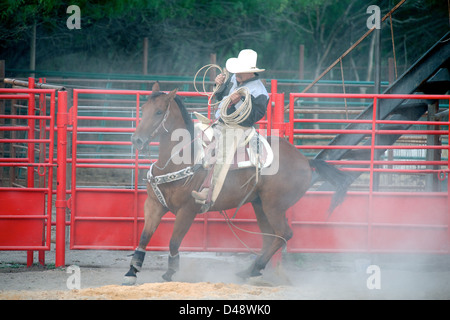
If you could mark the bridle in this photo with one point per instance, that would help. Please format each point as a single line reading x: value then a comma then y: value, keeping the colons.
x: 161, y: 124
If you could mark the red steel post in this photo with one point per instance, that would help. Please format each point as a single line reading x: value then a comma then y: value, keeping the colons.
x: 278, y: 114
x: 61, y: 203
x: 277, y: 108
x: 269, y: 116
x: 73, y: 195
x: 30, y: 153
x: 42, y: 147
x: 448, y: 188
x: 291, y: 119
x: 31, y: 123
x: 136, y: 178
x: 371, y: 176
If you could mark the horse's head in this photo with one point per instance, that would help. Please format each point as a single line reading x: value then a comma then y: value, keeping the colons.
x: 154, y: 115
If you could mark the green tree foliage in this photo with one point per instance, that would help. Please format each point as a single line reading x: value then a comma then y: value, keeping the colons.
x: 182, y: 33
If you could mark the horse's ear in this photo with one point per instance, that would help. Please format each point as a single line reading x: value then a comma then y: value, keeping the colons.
x: 155, y: 87
x: 173, y: 93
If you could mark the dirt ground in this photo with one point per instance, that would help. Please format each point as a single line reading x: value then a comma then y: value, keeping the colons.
x: 212, y: 276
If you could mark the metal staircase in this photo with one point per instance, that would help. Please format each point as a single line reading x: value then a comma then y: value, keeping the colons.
x: 429, y: 74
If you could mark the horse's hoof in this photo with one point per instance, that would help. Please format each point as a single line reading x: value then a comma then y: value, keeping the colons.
x: 168, y: 275
x: 129, y: 281
x: 243, y: 274
x: 259, y: 281
x: 166, y: 278
x: 248, y: 274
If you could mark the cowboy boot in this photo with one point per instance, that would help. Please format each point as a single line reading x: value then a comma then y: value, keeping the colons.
x: 200, y: 196
x: 204, y: 198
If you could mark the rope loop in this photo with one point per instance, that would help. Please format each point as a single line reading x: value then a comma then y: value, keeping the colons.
x: 205, y: 92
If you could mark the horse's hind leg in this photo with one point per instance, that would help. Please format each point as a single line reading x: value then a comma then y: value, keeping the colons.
x: 266, y: 228
x: 153, y: 214
x: 281, y: 233
x: 263, y: 225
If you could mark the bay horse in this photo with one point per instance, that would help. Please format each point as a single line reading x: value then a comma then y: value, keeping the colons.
x: 271, y: 196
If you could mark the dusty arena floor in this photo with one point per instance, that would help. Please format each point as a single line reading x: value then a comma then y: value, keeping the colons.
x: 212, y: 276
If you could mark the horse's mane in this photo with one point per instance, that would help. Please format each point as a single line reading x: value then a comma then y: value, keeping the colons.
x: 184, y: 113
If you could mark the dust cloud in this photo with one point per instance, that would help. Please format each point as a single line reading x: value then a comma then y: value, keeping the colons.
x: 212, y: 275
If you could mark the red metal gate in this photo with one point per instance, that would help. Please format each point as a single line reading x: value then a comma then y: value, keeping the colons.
x: 102, y: 217
x: 112, y: 217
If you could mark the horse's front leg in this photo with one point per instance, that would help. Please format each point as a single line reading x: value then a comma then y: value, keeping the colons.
x: 183, y: 221
x: 153, y: 212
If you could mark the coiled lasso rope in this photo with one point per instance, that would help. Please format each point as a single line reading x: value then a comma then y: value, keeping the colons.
x: 235, y: 118
x: 241, y: 114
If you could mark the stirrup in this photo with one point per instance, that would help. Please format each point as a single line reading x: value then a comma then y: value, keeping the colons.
x: 205, y: 207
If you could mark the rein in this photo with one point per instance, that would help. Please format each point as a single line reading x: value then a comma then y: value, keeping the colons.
x: 161, y: 125
x: 231, y: 225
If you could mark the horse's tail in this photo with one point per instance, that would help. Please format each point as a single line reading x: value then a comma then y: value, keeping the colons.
x: 339, y: 179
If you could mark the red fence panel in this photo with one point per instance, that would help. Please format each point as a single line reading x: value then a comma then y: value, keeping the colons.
x: 26, y: 164
x: 372, y: 220
x: 23, y: 215
x: 400, y: 222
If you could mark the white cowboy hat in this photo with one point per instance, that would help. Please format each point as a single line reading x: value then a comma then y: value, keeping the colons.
x: 244, y: 63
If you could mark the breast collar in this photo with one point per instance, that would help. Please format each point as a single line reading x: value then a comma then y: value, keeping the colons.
x: 154, y: 181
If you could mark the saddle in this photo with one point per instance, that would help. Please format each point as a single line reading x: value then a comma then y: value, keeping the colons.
x: 254, y: 151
